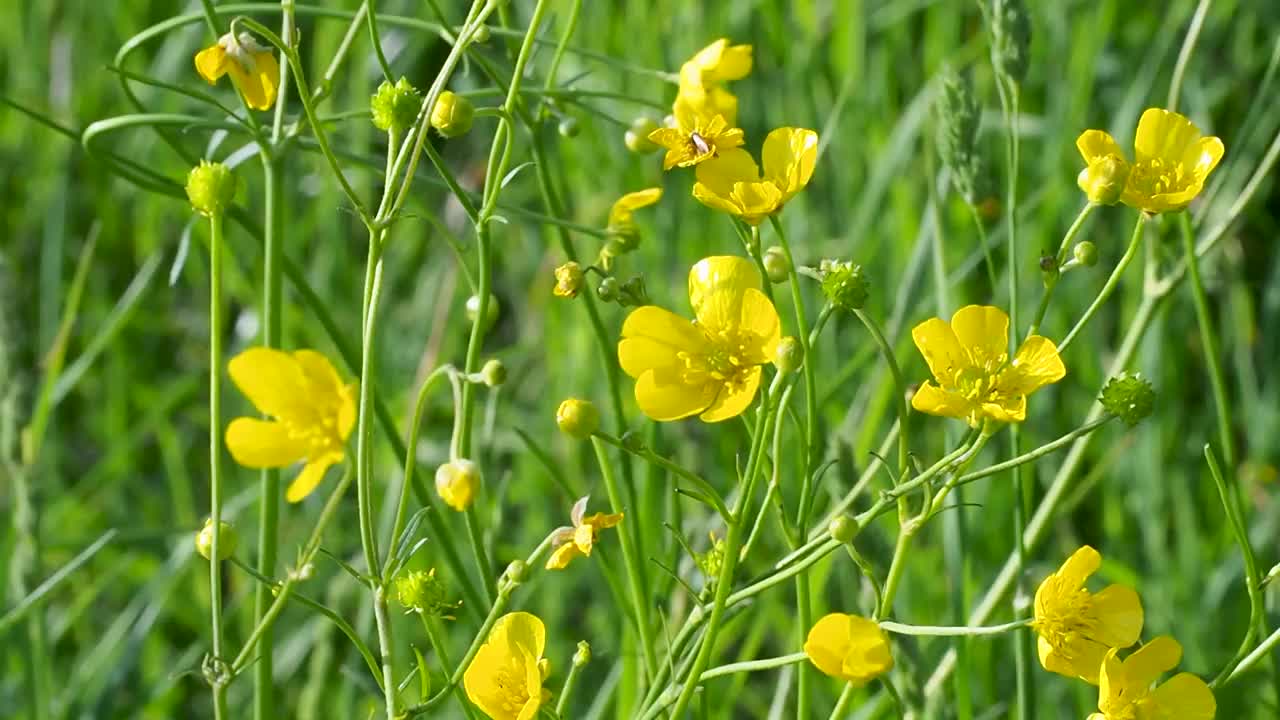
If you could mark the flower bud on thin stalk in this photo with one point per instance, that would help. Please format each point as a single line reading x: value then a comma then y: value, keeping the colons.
x: 452, y: 115
x: 844, y: 284
x: 1129, y: 397
x: 211, y: 188
x: 637, y: 136
x: 578, y: 419
x: 493, y: 374
x: 491, y: 313
x: 395, y: 107
x: 776, y: 265
x: 789, y: 355
x: 228, y: 540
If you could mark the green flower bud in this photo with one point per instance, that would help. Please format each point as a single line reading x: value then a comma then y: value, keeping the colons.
x: 211, y: 188
x: 1010, y: 37
x: 228, y: 540
x: 1129, y: 397
x: 568, y: 127
x: 637, y: 137
x: 583, y: 655
x: 421, y: 591
x: 609, y: 289
x: 457, y: 482
x: 482, y: 34
x: 395, y: 107
x: 712, y: 560
x: 491, y: 313
x: 494, y: 373
x: 844, y: 284
x: 843, y: 529
x: 516, y: 572
x: 452, y: 115
x: 789, y: 355
x: 1085, y: 253
x: 578, y: 418
x: 776, y: 265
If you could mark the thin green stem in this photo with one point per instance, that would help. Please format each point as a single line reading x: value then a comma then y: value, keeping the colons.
x: 1052, y: 280
x: 900, y: 391
x: 215, y: 455
x: 1109, y: 287
x: 386, y: 651
x: 841, y: 710
x: 674, y: 468
x: 1209, y: 339
x: 567, y: 689
x: 945, y: 631
x: 753, y: 665
x: 441, y: 645
x: 1184, y: 55
x: 1252, y: 578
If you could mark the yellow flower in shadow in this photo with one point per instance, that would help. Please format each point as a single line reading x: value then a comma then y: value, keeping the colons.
x: 1077, y: 628
x: 732, y: 182
x: 1126, y: 692
x: 851, y: 648
x: 313, y: 413
x: 253, y: 68
x: 710, y: 367
x: 1172, y: 161
x: 976, y: 379
x: 580, y: 539
x: 505, y: 678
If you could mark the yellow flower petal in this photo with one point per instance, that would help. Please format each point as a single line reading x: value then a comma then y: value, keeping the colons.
x: 716, y: 63
x: 1119, y: 616
x: 983, y: 331
x: 526, y: 631
x: 758, y: 200
x: 1097, y: 144
x: 653, y: 337
x: 263, y: 444
x: 1163, y: 135
x: 562, y: 556
x: 584, y: 536
x: 1077, y: 568
x: 942, y: 351
x: 695, y: 101
x: 603, y: 521
x: 759, y: 319
x: 827, y: 643
x: 1112, y: 686
x: 1007, y: 409
x: 1185, y: 697
x: 211, y: 63
x: 868, y: 656
x: 721, y: 173
x: 732, y: 402
x: 481, y: 680
x: 1202, y: 156
x: 310, y: 477
x: 717, y: 286
x: 622, y: 210
x: 1149, y: 662
x: 667, y: 401
x: 789, y: 155
x: 934, y: 400
x: 1035, y: 365
x: 273, y: 381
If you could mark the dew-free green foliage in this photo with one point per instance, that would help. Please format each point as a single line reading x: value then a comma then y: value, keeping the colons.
x: 104, y: 352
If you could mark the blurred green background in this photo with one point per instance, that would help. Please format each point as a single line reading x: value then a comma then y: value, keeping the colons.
x: 123, y: 637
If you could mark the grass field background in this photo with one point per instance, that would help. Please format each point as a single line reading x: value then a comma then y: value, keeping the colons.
x: 127, y: 450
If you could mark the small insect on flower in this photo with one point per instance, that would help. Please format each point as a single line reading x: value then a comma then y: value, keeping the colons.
x: 732, y: 181
x: 1173, y: 160
x: 850, y: 648
x: 1077, y: 628
x: 313, y: 413
x: 710, y: 367
x: 1126, y: 692
x: 579, y: 540
x: 976, y: 378
x: 699, y: 135
x: 505, y: 678
x: 252, y: 67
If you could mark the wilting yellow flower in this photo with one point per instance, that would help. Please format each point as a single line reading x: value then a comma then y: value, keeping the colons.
x: 717, y: 63
x: 1125, y: 692
x: 621, y: 214
x: 1173, y: 160
x: 1077, y: 628
x: 313, y: 410
x: 253, y: 68
x: 710, y: 367
x: 569, y: 279
x: 732, y: 182
x: 969, y: 358
x: 850, y: 648
x: 577, y: 541
x: 505, y: 678
x: 457, y: 482
x: 698, y: 136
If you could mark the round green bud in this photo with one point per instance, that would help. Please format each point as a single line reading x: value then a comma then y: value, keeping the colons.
x: 844, y: 284
x: 843, y: 529
x: 637, y: 136
x: 494, y: 373
x: 568, y: 127
x: 491, y: 312
x: 452, y: 114
x: 516, y: 572
x: 583, y: 655
x: 789, y: 355
x: 609, y: 289
x: 1129, y: 397
x: 395, y: 107
x: 776, y: 265
x: 228, y: 540
x: 421, y: 591
x: 1086, y: 253
x: 482, y: 34
x: 578, y: 418
x: 211, y: 188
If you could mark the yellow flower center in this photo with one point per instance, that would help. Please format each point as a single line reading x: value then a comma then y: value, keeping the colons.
x: 514, y: 694
x: 1064, y: 617
x: 1157, y: 176
x: 978, y: 382
x: 320, y: 434
x: 725, y: 361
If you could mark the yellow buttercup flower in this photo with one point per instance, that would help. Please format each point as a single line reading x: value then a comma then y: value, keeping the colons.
x: 621, y: 214
x: 697, y: 137
x: 505, y: 678
x: 733, y: 183
x: 1172, y: 161
x: 710, y: 367
x: 1078, y: 628
x: 252, y: 67
x: 716, y: 63
x: 1126, y: 692
x: 313, y: 414
x: 976, y: 379
x: 578, y: 541
x: 849, y: 647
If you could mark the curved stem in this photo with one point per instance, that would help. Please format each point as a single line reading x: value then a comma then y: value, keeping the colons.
x: 1129, y: 254
x: 1052, y: 281
x: 215, y: 454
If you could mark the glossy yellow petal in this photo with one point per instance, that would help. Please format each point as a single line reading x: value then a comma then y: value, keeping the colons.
x: 789, y: 155
x: 760, y: 323
x: 1006, y: 409
x: 933, y: 400
x: 324, y: 385
x: 310, y: 477
x: 347, y: 410
x: 706, y: 195
x: 1035, y: 365
x: 1095, y: 145
x: 1077, y: 568
x: 273, y: 381
x: 1119, y: 616
x: 263, y: 444
x: 1202, y: 156
x: 716, y: 63
x: 526, y: 631
x: 983, y: 331
x: 868, y: 655
x: 480, y: 680
x: 603, y: 521
x: 622, y: 210
x: 732, y: 402
x: 758, y: 200
x: 695, y: 102
x: 211, y: 63
x: 532, y: 685
x: 721, y: 173
x: 653, y: 337
x: 1112, y: 686
x: 1164, y: 135
x: 667, y: 401
x: 942, y: 351
x: 584, y: 536
x: 717, y: 286
x: 562, y: 556
x: 1146, y: 664
x: 1184, y: 697
x: 827, y: 643
x: 249, y: 83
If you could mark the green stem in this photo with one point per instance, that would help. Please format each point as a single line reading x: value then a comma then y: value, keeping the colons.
x: 1052, y: 281
x: 1209, y: 339
x: 649, y: 455
x: 386, y: 650
x: 753, y: 665
x: 944, y: 631
x: 1129, y: 254
x: 215, y: 455
x: 1252, y: 578
x: 841, y: 710
x: 567, y: 689
x: 631, y: 558
x: 900, y: 388
x: 440, y: 643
